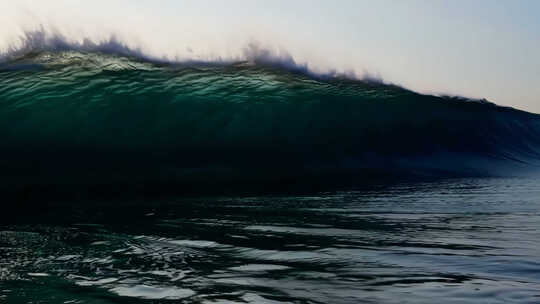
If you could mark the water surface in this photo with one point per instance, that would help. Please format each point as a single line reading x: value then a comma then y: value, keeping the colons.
x: 452, y: 241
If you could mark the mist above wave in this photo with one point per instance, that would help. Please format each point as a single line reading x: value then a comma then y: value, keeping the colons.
x: 253, y: 52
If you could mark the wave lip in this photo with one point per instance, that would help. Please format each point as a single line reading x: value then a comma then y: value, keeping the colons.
x: 90, y: 118
x: 42, y: 40
x: 45, y: 40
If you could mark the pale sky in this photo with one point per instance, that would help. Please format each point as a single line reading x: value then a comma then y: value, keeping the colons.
x: 481, y: 49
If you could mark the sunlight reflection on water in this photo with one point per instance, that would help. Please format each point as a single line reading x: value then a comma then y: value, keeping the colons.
x: 472, y: 240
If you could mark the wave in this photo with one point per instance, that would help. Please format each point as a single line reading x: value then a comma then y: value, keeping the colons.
x: 82, y: 117
x: 46, y: 40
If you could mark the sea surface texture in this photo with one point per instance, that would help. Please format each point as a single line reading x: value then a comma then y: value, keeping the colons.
x: 128, y: 180
x: 469, y: 240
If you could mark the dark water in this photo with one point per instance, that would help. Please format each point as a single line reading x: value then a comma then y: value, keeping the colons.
x: 77, y: 127
x: 452, y: 241
x: 76, y: 119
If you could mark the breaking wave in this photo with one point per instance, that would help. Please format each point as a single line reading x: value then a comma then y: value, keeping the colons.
x: 43, y: 40
x: 95, y: 116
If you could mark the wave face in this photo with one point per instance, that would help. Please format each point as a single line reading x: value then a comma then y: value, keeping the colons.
x: 76, y: 118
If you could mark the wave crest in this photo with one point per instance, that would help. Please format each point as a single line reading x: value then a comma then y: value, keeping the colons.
x: 43, y: 40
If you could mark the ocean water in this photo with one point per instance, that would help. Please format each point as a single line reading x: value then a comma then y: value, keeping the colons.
x: 472, y: 240
x: 74, y: 121
x: 130, y: 180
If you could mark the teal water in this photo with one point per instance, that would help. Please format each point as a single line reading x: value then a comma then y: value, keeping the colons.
x: 125, y: 180
x: 76, y: 121
x: 472, y: 240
